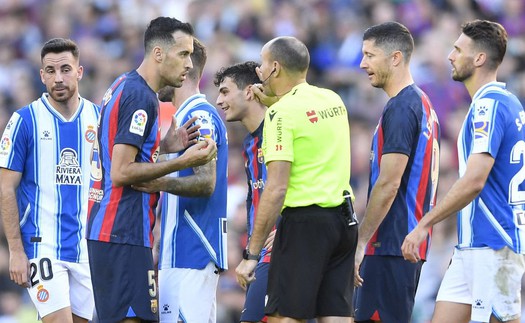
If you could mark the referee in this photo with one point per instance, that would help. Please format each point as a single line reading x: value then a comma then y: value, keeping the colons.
x: 307, y: 153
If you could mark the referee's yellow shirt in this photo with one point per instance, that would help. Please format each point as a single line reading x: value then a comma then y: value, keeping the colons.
x: 309, y: 128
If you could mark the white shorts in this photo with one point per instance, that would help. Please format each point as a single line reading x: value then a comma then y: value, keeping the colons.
x: 489, y: 280
x: 188, y: 293
x: 59, y: 284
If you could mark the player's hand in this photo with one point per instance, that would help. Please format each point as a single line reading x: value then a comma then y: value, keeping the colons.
x: 256, y: 92
x: 201, y: 153
x: 359, y: 255
x: 19, y: 268
x: 410, y: 246
x: 179, y: 138
x: 245, y: 272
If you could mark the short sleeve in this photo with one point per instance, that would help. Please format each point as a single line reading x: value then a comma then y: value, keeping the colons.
x: 278, y: 135
x: 14, y: 144
x: 488, y: 130
x: 400, y: 128
x: 137, y: 115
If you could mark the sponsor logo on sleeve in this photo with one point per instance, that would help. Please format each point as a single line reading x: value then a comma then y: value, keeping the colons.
x: 5, y: 144
x: 312, y: 116
x: 107, y: 96
x: 481, y: 129
x: 272, y: 114
x: 138, y: 122
x: 9, y: 124
x: 207, y: 129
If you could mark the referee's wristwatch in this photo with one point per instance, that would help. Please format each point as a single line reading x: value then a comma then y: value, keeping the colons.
x: 248, y: 256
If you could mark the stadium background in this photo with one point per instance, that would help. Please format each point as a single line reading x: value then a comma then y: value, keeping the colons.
x: 110, y: 34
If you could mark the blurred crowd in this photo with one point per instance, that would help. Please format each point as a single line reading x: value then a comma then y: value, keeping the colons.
x: 110, y: 36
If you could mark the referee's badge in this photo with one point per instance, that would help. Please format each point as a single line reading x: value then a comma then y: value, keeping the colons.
x: 154, y: 306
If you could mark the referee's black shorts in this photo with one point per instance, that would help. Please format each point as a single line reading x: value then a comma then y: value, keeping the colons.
x: 312, y: 267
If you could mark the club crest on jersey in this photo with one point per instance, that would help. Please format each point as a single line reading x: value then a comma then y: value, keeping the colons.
x: 42, y: 294
x: 68, y: 171
x: 138, y: 122
x: 90, y: 134
x: 260, y: 156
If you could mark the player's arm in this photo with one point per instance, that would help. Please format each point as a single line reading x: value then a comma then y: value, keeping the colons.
x: 464, y: 190
x: 270, y: 206
x: 18, y: 261
x: 382, y: 195
x: 381, y: 198
x: 126, y: 171
x: 200, y: 184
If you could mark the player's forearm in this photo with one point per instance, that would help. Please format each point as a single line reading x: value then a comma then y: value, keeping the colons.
x: 190, y: 186
x: 459, y: 196
x: 200, y: 184
x: 138, y: 172
x: 270, y: 206
x: 10, y: 220
x: 381, y: 198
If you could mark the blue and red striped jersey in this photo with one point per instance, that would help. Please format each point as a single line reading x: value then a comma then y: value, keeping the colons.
x: 129, y: 116
x: 256, y: 176
x: 408, y: 125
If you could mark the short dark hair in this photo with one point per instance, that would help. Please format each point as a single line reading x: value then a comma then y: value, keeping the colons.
x: 242, y: 74
x: 291, y: 53
x: 391, y: 36
x: 160, y: 31
x: 59, y: 45
x: 488, y: 36
x: 198, y: 58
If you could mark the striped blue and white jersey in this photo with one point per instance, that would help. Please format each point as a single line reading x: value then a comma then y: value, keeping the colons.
x: 495, y: 125
x: 193, y: 229
x: 53, y: 155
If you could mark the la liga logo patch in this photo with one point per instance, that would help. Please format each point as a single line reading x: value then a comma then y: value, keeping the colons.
x: 5, y: 143
x: 138, y: 122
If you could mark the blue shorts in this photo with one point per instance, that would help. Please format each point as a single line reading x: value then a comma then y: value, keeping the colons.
x: 254, y: 305
x: 388, y: 290
x: 123, y: 281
